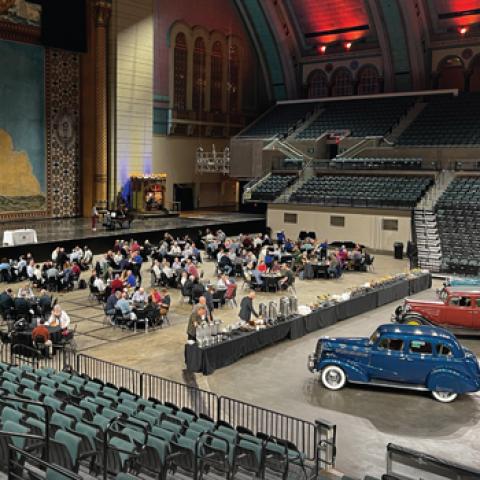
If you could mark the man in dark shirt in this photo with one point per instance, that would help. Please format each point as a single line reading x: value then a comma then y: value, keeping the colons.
x: 22, y: 307
x: 111, y: 302
x: 45, y: 302
x: 198, y: 315
x: 246, y: 307
x: 6, y: 302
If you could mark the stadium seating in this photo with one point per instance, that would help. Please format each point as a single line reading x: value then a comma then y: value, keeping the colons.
x: 446, y: 120
x: 372, y: 117
x: 458, y: 221
x: 143, y: 436
x: 279, y: 121
x: 377, y: 163
x: 363, y: 191
x: 271, y: 187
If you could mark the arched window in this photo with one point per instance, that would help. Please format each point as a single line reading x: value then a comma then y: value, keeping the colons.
x: 475, y: 74
x: 368, y: 80
x: 234, y: 79
x: 216, y: 77
x: 451, y: 73
x: 199, y: 75
x: 317, y: 84
x: 180, y: 73
x: 342, y: 83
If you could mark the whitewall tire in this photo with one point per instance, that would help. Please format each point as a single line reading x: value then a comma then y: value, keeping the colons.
x: 333, y: 377
x: 444, y: 397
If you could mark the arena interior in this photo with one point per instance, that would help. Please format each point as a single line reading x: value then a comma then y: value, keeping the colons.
x: 193, y: 193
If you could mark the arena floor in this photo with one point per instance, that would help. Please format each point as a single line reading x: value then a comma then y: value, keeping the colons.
x: 277, y: 378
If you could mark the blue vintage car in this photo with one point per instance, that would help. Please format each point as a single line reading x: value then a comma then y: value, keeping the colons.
x: 424, y: 358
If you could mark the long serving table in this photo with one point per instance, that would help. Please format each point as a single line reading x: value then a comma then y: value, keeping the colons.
x: 207, y: 359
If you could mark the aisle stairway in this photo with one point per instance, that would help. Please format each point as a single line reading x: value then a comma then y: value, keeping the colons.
x: 425, y: 224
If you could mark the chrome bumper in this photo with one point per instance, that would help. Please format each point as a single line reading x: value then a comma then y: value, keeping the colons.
x: 311, y: 363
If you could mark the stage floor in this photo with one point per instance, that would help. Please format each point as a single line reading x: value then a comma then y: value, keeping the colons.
x: 56, y: 230
x: 70, y: 232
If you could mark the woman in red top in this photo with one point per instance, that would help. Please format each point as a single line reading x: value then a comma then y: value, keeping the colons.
x: 156, y: 297
x: 262, y: 267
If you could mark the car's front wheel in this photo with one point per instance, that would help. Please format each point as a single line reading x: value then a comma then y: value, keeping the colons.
x: 444, y: 397
x: 333, y: 377
x: 413, y: 320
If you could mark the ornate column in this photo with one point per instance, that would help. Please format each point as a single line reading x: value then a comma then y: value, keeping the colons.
x: 103, y: 10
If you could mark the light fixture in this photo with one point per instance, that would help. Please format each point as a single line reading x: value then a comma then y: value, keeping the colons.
x: 463, y: 30
x: 322, y: 48
x: 348, y: 45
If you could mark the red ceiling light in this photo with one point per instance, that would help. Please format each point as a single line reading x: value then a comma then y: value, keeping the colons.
x: 347, y: 45
x: 463, y: 30
x: 322, y: 48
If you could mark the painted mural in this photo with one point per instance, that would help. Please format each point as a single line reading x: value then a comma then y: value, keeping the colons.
x: 20, y: 11
x: 22, y: 128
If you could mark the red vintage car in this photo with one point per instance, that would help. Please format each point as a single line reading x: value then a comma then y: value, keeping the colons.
x: 457, y: 309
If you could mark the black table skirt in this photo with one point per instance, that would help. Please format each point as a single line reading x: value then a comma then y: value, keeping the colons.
x: 207, y: 360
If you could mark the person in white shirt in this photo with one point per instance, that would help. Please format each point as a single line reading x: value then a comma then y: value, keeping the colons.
x: 87, y: 256
x: 59, y: 318
x: 31, y: 270
x: 55, y: 254
x: 140, y: 297
x: 175, y: 250
x: 156, y: 269
x: 26, y: 292
x: 99, y: 284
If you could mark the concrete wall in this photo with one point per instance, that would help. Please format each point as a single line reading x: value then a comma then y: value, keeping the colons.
x: 175, y: 156
x: 361, y: 225
x: 131, y: 76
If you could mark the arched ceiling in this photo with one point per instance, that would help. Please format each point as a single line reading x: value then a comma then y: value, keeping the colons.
x: 289, y: 32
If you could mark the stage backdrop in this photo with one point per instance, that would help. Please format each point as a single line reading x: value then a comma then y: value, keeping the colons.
x: 39, y: 124
x: 22, y: 128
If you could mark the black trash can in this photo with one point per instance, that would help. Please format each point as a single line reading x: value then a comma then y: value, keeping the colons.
x: 398, y: 250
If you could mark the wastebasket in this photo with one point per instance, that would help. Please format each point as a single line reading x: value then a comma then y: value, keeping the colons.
x: 398, y: 250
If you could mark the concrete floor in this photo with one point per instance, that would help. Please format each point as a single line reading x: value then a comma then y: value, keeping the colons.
x: 277, y: 378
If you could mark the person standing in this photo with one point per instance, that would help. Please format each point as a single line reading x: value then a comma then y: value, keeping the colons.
x: 198, y: 315
x: 94, y: 218
x: 246, y: 307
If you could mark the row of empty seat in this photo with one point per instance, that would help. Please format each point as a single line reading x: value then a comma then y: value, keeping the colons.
x: 374, y: 163
x: 143, y: 436
x: 445, y: 120
x: 371, y: 117
x: 363, y: 191
x: 272, y: 187
x: 458, y: 221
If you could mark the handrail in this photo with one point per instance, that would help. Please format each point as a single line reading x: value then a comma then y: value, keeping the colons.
x: 12, y: 450
x: 4, y: 400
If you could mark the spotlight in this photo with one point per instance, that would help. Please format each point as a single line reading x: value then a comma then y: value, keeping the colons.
x: 348, y: 45
x: 463, y: 30
x: 322, y: 48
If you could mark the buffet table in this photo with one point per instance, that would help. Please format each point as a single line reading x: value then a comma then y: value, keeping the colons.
x: 207, y: 359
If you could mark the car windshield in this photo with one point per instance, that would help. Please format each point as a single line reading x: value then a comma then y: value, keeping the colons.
x: 374, y: 337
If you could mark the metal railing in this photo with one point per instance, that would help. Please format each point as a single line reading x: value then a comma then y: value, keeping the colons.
x: 107, y: 372
x: 316, y: 440
x: 180, y: 394
x: 257, y: 419
x: 25, y: 355
x: 421, y: 465
x: 22, y: 464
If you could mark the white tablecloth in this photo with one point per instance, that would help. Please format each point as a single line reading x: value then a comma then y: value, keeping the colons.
x: 19, y: 237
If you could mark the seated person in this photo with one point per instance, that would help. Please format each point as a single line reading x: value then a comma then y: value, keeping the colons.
x: 198, y: 290
x: 131, y: 279
x: 123, y: 305
x: 287, y: 277
x: 22, y: 306
x: 140, y: 298
x: 41, y: 332
x: 59, y: 318
x: 45, y: 303
x: 6, y: 302
x: 112, y: 302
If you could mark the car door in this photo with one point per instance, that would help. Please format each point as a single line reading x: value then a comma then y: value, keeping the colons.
x: 420, y: 360
x: 458, y: 312
x: 387, y: 359
x: 476, y: 314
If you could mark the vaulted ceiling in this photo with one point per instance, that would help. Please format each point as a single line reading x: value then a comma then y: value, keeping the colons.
x: 289, y: 32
